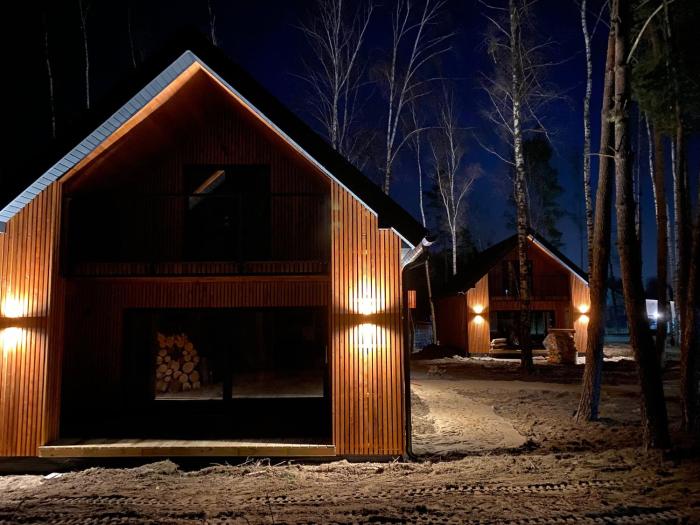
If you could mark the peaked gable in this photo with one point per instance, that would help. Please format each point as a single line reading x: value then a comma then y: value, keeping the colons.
x: 488, y: 258
x: 198, y: 54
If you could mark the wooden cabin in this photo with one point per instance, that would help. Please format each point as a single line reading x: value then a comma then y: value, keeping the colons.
x: 202, y: 275
x: 482, y: 305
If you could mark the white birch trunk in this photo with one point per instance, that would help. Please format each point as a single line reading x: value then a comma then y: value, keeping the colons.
x: 83, y: 27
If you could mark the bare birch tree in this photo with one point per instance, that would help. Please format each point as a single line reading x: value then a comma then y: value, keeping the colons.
x: 49, y: 74
x: 212, y: 23
x: 516, y: 94
x: 130, y: 35
x: 653, y: 405
x: 416, y: 143
x: 84, y: 7
x: 453, y: 180
x: 414, y: 43
x: 588, y: 199
x: 335, y: 73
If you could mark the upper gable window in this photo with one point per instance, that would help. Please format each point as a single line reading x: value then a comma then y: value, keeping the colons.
x: 228, y: 212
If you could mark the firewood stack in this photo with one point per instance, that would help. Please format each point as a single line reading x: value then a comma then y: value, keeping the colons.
x: 176, y: 364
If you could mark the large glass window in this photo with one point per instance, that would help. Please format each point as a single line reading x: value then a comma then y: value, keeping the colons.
x: 207, y: 354
x: 280, y: 353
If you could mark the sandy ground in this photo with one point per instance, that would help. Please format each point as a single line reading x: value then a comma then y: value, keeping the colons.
x: 492, y: 451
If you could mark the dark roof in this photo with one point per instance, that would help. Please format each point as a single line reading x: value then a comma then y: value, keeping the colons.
x: 151, y: 76
x: 488, y: 258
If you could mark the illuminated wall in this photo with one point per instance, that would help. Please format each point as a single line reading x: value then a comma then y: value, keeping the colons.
x: 580, y: 305
x: 366, y: 332
x: 478, y: 331
x: 28, y: 391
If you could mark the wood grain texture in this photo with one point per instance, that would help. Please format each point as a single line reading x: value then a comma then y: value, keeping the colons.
x: 366, y: 350
x: 30, y: 350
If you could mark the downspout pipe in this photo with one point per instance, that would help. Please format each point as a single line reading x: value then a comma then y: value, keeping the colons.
x: 408, y: 262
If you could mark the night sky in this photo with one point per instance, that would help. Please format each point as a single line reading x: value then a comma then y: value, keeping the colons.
x: 262, y: 37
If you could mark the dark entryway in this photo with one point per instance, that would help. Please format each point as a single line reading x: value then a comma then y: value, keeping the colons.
x: 241, y: 373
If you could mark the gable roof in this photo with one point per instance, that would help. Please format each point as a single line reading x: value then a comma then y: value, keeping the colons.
x: 157, y: 74
x: 488, y: 258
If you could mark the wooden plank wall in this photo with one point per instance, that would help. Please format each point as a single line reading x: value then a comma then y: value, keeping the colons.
x: 451, y: 321
x: 30, y: 291
x: 580, y: 297
x: 366, y: 350
x: 478, y: 327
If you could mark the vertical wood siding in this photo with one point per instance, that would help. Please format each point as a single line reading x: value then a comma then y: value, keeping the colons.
x: 579, y: 297
x: 451, y: 322
x: 478, y: 328
x: 366, y: 350
x: 29, y: 344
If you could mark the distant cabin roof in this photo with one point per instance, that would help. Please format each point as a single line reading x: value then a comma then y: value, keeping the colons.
x: 154, y: 76
x: 488, y: 258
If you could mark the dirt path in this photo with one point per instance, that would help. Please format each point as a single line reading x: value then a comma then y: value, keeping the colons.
x: 447, y: 422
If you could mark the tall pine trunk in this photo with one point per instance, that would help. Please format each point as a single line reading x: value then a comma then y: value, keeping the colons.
x: 653, y: 405
x: 590, y: 394
x: 661, y: 242
x: 690, y: 339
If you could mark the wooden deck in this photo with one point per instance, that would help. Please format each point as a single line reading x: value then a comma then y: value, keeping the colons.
x: 104, y: 448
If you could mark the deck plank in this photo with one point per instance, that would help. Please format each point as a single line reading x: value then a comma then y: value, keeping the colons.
x: 179, y: 448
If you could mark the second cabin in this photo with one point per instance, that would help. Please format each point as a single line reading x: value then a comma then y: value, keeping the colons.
x: 479, y: 312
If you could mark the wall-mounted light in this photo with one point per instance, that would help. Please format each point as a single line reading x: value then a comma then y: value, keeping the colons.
x: 583, y: 318
x: 366, y: 305
x: 9, y: 337
x: 11, y: 307
x: 478, y: 319
x: 583, y: 308
x: 478, y: 309
x: 367, y: 333
x: 13, y: 322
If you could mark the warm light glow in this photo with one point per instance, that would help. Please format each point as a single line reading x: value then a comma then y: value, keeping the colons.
x: 583, y: 308
x: 11, y: 307
x: 583, y: 318
x: 478, y: 319
x: 9, y: 337
x: 478, y: 308
x: 366, y: 306
x: 367, y: 332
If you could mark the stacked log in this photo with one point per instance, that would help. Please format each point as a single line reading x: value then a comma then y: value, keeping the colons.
x: 177, y: 363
